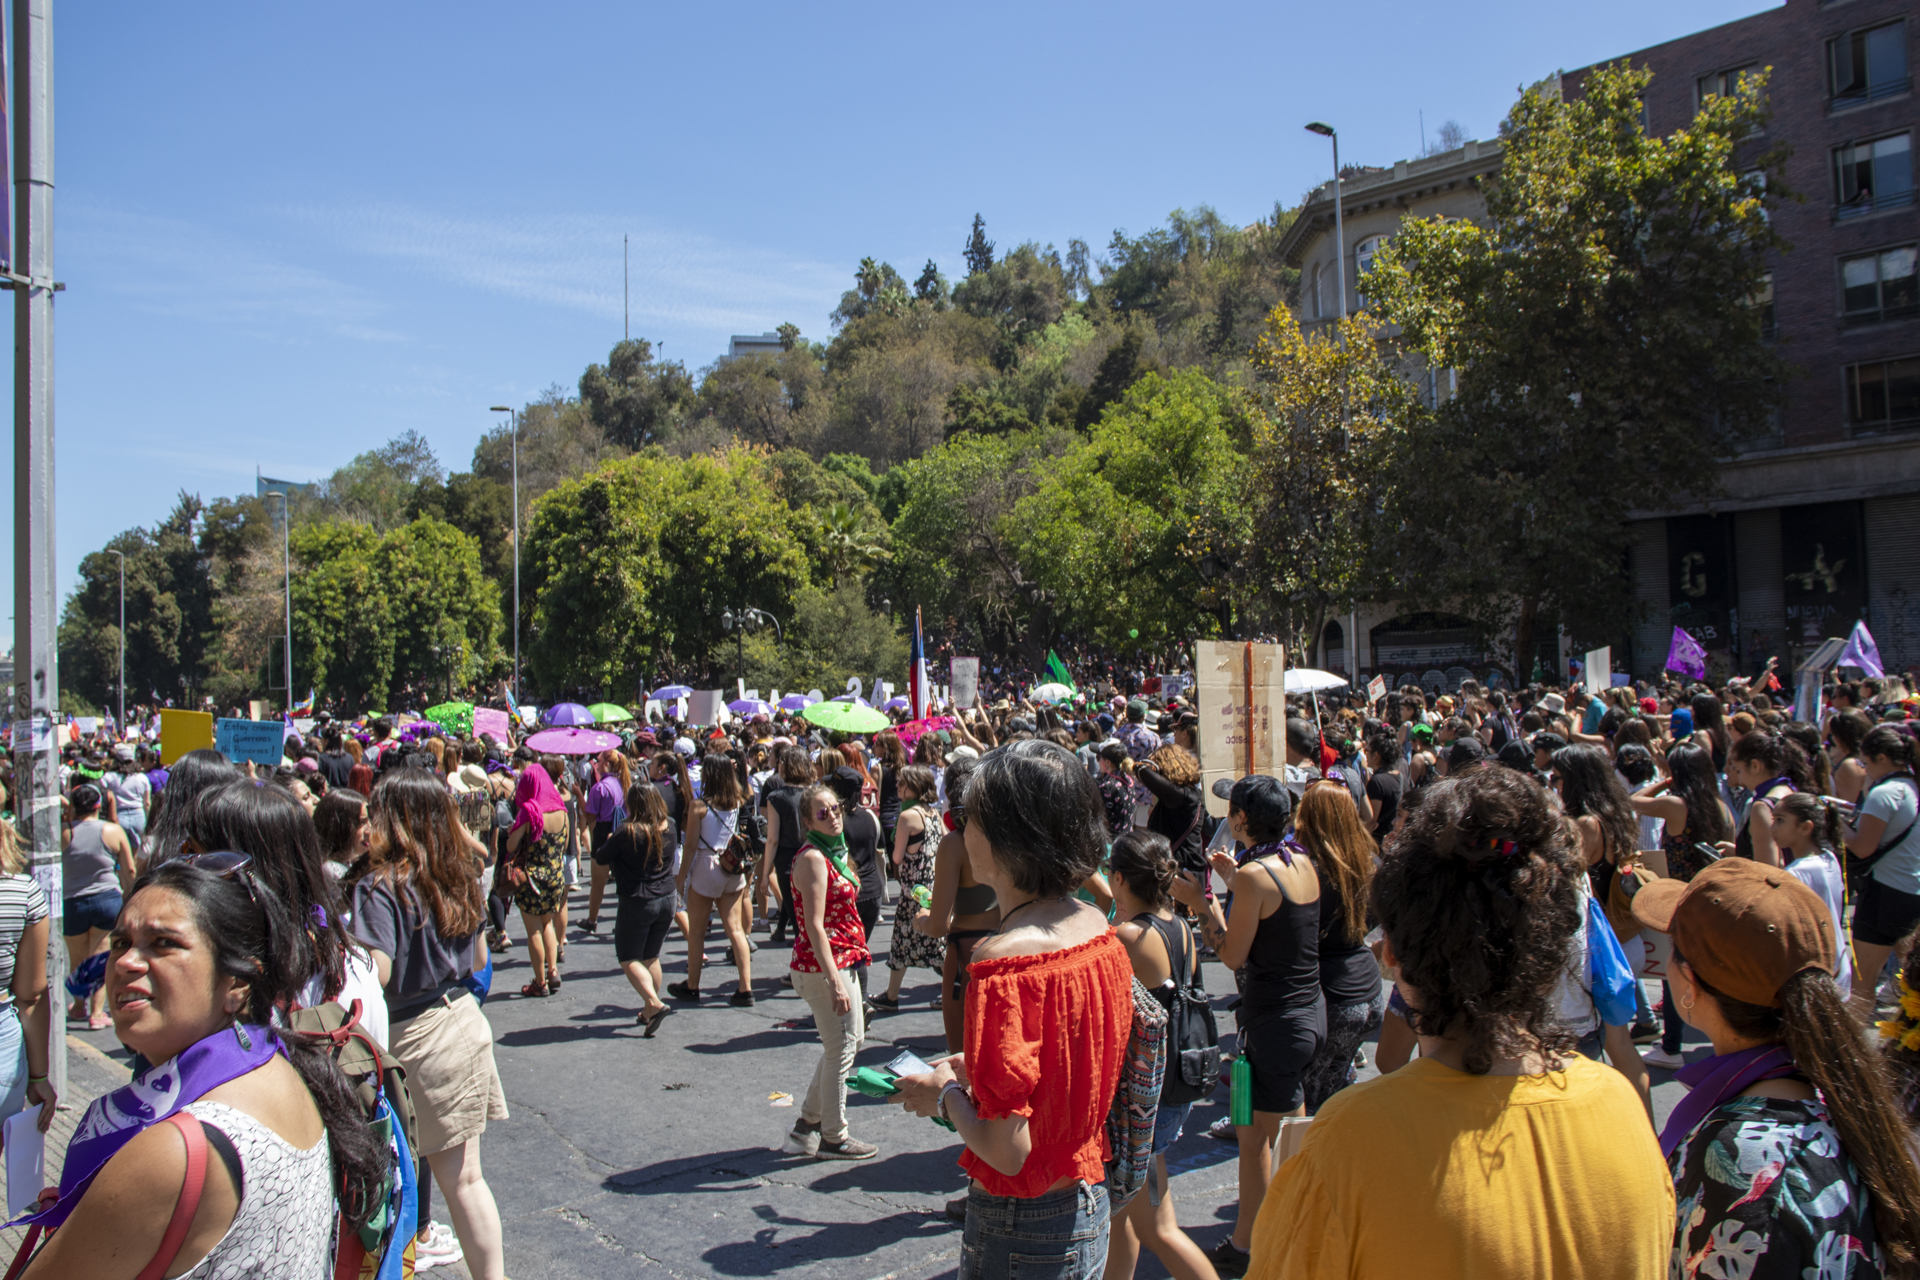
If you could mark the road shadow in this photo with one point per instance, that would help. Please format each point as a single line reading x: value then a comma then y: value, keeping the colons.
x: 774, y: 1249
x: 529, y: 1037
x: 715, y: 1172
x: 933, y: 1173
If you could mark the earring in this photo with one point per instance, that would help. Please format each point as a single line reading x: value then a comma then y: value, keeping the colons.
x: 240, y: 1034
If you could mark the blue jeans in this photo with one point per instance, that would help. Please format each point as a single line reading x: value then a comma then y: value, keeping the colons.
x: 1061, y: 1235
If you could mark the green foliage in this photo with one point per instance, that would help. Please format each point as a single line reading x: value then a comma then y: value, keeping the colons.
x: 376, y: 487
x: 480, y: 507
x: 931, y: 286
x: 1597, y: 315
x: 1119, y: 369
x: 832, y: 635
x: 632, y: 564
x: 169, y: 612
x: 558, y: 440
x: 1021, y: 295
x: 761, y: 398
x: 633, y: 398
x: 877, y: 290
x: 369, y: 609
x: 979, y: 249
x: 1117, y: 528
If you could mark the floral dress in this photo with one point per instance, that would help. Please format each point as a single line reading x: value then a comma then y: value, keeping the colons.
x: 546, y: 885
x: 1765, y: 1193
x: 1116, y: 796
x: 911, y: 948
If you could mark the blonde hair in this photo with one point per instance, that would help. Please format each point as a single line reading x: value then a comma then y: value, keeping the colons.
x: 13, y: 859
x: 1328, y: 823
x: 1177, y: 763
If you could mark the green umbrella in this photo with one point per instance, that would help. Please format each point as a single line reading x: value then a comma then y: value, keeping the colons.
x: 846, y: 717
x: 606, y: 711
x: 455, y: 716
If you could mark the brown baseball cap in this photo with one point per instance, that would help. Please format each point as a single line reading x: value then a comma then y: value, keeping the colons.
x: 1745, y: 928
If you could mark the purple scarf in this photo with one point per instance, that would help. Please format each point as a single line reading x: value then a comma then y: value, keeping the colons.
x: 1286, y: 847
x: 117, y: 1118
x: 1717, y: 1079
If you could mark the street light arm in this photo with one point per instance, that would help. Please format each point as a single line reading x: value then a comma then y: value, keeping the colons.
x: 762, y: 613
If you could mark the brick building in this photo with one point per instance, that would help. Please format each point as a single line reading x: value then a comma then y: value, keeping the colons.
x: 1817, y: 523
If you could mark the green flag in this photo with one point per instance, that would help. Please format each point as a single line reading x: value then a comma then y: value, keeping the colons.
x: 1057, y: 670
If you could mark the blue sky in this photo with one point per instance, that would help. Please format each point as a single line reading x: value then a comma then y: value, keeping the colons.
x: 290, y: 232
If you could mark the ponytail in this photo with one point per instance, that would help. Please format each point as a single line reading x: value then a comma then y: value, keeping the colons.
x: 1814, y: 1024
x: 1804, y: 806
x: 1888, y: 741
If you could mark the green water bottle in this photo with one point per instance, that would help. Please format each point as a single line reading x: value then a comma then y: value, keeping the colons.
x: 1240, y: 1101
x: 922, y: 896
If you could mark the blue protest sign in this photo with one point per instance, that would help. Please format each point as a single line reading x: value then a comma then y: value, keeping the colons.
x: 259, y: 741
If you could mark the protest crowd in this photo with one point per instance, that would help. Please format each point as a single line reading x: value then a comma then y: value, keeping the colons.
x: 1516, y: 900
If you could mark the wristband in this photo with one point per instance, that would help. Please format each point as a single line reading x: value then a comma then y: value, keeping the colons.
x: 36, y: 1079
x: 952, y: 1086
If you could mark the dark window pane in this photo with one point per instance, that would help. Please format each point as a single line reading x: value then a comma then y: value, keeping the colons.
x: 1886, y: 55
x: 1869, y: 393
x: 1848, y: 64
x: 1903, y: 390
x: 1899, y: 283
x: 1892, y: 167
x: 1860, y: 285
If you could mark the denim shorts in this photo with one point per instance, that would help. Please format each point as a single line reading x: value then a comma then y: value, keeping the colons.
x: 95, y: 911
x: 1061, y: 1235
x: 1167, y: 1124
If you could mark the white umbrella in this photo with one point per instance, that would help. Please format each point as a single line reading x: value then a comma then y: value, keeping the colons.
x: 1309, y: 680
x: 1052, y: 692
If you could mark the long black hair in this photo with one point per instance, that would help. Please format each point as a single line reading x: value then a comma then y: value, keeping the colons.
x: 1696, y: 782
x: 257, y: 941
x: 1590, y: 788
x: 276, y: 829
x: 187, y: 777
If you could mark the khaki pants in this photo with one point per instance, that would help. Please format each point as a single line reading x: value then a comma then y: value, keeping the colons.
x: 840, y: 1036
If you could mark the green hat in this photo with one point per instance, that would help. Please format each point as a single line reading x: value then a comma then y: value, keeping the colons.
x: 1422, y: 732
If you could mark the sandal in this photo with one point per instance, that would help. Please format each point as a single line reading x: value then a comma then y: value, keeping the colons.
x: 99, y: 1022
x: 652, y: 1021
x: 535, y: 989
x: 553, y: 979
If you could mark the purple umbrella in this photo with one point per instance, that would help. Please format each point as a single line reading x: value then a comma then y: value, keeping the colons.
x: 848, y: 697
x: 895, y: 704
x: 795, y: 702
x: 573, y: 741
x: 668, y: 692
x: 750, y: 707
x: 568, y: 713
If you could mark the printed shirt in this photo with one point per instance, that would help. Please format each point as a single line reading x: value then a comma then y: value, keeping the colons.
x: 1116, y: 795
x: 1766, y: 1192
x: 1140, y: 741
x: 845, y: 934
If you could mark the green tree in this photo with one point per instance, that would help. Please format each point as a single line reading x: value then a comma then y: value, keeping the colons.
x: 761, y: 398
x: 479, y: 506
x: 1118, y: 528
x: 931, y: 286
x: 1119, y: 369
x: 169, y: 613
x: 559, y: 439
x: 376, y: 487
x: 343, y: 636
x: 979, y: 250
x: 832, y: 635
x: 877, y: 289
x: 851, y: 546
x: 1331, y: 415
x: 1021, y: 294
x: 1599, y: 313
x: 633, y: 398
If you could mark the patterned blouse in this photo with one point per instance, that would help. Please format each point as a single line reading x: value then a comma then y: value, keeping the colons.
x: 841, y: 919
x: 1116, y: 795
x: 1765, y: 1193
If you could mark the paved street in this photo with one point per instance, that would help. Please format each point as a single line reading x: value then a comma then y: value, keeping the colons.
x: 628, y: 1156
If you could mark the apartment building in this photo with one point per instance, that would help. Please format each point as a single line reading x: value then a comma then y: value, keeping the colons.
x: 1816, y: 524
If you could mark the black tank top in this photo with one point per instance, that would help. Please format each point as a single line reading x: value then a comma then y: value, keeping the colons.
x: 1743, y: 841
x: 784, y: 800
x: 1283, y: 965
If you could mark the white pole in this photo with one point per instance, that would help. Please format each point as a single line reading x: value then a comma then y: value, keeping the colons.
x: 122, y: 721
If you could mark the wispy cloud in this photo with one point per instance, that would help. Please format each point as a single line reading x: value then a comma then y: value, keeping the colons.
x: 573, y: 262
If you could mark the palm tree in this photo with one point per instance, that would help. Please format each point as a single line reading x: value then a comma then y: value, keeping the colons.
x: 847, y: 543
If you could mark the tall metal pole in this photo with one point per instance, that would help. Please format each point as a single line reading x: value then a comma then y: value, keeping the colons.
x: 286, y: 572
x: 36, y: 690
x: 122, y: 721
x: 513, y: 429
x: 626, y: 314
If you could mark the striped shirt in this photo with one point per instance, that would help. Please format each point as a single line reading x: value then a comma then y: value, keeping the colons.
x: 22, y: 902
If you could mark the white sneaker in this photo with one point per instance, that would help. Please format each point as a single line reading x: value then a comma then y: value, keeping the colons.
x: 438, y: 1249
x: 803, y: 1140
x: 1658, y: 1057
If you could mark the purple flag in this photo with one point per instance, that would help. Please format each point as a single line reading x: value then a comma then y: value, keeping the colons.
x: 1862, y: 652
x: 1686, y: 656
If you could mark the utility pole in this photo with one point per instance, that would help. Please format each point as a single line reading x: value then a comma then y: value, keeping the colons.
x: 626, y: 315
x: 36, y: 692
x: 513, y: 427
x: 121, y: 723
x: 286, y: 573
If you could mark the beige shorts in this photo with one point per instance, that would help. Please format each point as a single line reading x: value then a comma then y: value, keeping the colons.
x: 448, y: 1054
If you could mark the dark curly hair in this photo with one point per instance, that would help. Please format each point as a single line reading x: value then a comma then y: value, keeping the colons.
x: 1480, y: 896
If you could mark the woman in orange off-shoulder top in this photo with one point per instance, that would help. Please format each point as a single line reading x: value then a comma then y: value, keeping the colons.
x: 1049, y: 1008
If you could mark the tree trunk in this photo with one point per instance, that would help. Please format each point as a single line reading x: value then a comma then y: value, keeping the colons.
x: 1523, y: 640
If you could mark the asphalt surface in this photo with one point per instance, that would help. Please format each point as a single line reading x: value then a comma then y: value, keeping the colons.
x: 627, y: 1156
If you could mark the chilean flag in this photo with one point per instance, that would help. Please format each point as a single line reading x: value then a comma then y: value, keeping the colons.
x: 919, y: 699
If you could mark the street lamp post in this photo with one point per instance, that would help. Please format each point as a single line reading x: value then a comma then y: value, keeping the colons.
x: 122, y: 721
x: 1339, y: 227
x: 286, y: 572
x: 513, y: 435
x: 740, y: 622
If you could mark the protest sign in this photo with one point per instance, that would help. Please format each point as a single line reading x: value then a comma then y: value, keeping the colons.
x: 258, y: 741
x: 1376, y: 688
x: 965, y: 674
x: 1172, y: 685
x: 87, y: 725
x: 1240, y: 696
x: 491, y: 720
x: 183, y: 731
x: 706, y: 706
x: 1599, y: 669
x: 256, y: 709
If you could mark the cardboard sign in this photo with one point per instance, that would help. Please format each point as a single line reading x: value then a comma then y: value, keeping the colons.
x: 1376, y: 688
x: 706, y: 706
x: 1239, y: 734
x: 304, y: 726
x: 88, y: 725
x: 1599, y: 669
x: 491, y: 720
x: 183, y: 731
x: 259, y: 741
x: 965, y: 674
x: 1172, y: 685
x: 256, y: 709
x: 529, y: 716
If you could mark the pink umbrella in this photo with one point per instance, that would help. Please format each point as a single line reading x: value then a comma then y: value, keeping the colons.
x: 573, y: 742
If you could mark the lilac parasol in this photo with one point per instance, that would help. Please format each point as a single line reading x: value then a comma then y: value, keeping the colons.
x: 895, y: 704
x: 573, y: 741
x: 750, y: 707
x: 567, y: 713
x: 795, y: 702
x: 668, y: 692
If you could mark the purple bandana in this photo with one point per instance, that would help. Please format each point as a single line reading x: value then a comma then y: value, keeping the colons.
x: 117, y: 1118
x: 1714, y: 1080
x: 1286, y: 847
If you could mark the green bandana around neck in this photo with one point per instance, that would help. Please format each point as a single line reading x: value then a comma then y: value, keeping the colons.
x: 835, y: 849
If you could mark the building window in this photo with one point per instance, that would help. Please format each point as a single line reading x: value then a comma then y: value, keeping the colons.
x: 1363, y: 255
x: 1876, y: 174
x: 1721, y: 84
x: 1883, y: 394
x: 1880, y: 286
x: 1866, y: 65
x: 1763, y: 299
x: 1313, y: 293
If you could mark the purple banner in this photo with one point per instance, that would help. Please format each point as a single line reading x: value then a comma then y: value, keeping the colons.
x: 1686, y: 656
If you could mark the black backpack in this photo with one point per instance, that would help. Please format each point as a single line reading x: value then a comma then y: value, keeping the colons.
x: 1193, y: 1040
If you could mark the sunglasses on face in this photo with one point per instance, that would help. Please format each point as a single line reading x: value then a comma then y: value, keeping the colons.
x: 825, y: 812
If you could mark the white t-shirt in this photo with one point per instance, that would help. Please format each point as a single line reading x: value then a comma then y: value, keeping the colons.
x: 362, y: 984
x: 1820, y: 872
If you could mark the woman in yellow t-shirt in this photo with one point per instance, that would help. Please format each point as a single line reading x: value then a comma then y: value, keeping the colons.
x: 1499, y: 1152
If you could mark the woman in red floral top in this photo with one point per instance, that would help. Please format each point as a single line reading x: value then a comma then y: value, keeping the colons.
x: 830, y: 945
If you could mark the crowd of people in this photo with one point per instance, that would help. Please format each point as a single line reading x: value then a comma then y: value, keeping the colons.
x: 1520, y: 899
